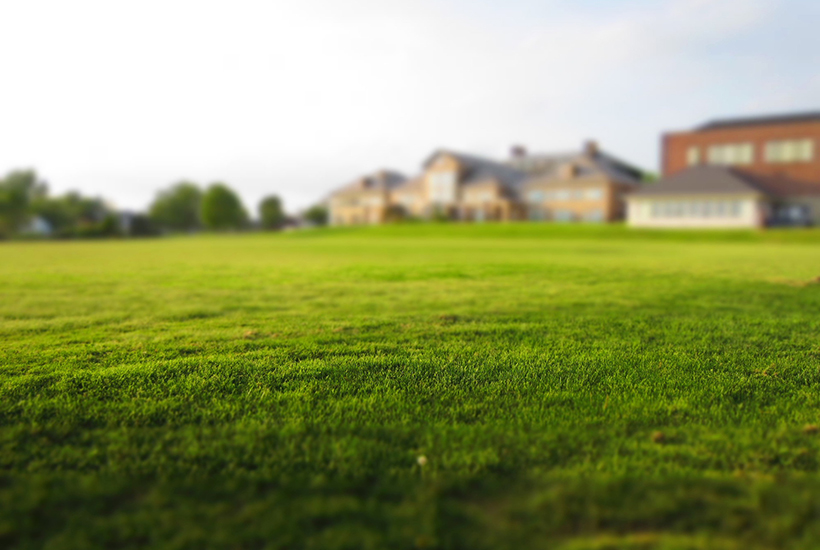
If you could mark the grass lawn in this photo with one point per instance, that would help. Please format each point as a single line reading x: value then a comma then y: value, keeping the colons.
x: 496, y: 386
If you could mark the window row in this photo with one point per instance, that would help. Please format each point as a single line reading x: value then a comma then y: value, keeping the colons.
x: 560, y: 215
x: 696, y: 209
x: 791, y: 150
x: 593, y: 194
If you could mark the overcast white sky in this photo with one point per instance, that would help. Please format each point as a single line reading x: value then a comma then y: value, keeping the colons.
x: 296, y: 97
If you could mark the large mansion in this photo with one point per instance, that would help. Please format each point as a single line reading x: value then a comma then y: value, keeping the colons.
x: 589, y: 185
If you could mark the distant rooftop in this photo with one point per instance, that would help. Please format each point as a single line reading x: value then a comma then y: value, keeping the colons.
x: 589, y: 160
x: 760, y: 121
x: 725, y: 180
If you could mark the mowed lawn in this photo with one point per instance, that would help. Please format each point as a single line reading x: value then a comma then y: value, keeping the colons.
x: 496, y: 386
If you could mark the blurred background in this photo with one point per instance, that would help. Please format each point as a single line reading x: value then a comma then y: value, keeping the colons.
x: 118, y: 102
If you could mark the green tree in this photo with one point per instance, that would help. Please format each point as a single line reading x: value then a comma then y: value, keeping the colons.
x: 271, y: 215
x: 222, y: 209
x: 317, y: 215
x: 178, y: 208
x: 17, y: 192
x: 141, y: 226
x: 71, y: 214
x: 57, y: 212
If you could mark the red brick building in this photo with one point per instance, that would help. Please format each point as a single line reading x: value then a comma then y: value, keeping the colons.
x: 787, y: 146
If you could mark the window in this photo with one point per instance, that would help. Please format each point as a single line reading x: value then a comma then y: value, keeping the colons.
x: 443, y: 187
x: 594, y: 216
x: 695, y: 209
x: 564, y: 216
x: 707, y: 209
x: 731, y: 153
x: 578, y: 194
x: 537, y: 214
x: 562, y: 195
x: 536, y: 196
x: 693, y: 156
x: 407, y: 200
x: 594, y: 194
x: 482, y: 196
x: 795, y: 150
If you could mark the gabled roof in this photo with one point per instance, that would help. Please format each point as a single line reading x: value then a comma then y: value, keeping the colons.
x: 759, y: 121
x: 588, y: 163
x: 382, y: 180
x: 414, y: 184
x: 724, y: 180
x: 479, y: 169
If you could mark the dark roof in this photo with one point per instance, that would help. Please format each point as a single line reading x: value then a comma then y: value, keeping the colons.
x: 541, y: 166
x: 782, y: 187
x: 383, y: 179
x: 724, y: 180
x: 479, y: 169
x: 620, y: 167
x: 760, y: 121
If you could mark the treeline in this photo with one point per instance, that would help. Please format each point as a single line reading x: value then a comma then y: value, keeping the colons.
x: 27, y: 209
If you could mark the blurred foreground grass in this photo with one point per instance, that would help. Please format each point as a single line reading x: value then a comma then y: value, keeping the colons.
x: 520, y: 386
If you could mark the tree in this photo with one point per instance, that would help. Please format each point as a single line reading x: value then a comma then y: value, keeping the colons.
x: 649, y: 177
x: 222, y: 209
x: 72, y: 214
x: 17, y: 191
x: 141, y: 226
x: 316, y: 215
x: 178, y: 208
x: 271, y: 215
x: 57, y: 212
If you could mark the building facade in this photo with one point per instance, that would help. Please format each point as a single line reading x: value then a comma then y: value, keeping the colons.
x: 590, y: 186
x: 773, y: 146
x: 739, y: 173
x: 586, y: 186
x: 365, y: 201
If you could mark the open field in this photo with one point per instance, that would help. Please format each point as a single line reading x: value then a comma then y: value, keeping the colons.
x: 567, y: 387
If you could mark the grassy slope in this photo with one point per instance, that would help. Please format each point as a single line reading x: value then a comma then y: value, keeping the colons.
x: 569, y: 387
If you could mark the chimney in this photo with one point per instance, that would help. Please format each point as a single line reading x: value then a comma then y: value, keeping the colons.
x: 591, y: 148
x: 518, y: 151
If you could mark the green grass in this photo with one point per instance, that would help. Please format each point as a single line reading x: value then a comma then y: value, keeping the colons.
x: 569, y: 387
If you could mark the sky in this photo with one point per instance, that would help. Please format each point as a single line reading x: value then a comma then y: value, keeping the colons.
x: 295, y: 98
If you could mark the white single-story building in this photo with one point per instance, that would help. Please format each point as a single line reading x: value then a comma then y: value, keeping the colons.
x: 723, y: 197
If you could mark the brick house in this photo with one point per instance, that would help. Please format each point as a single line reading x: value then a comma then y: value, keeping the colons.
x: 752, y: 172
x: 771, y: 146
